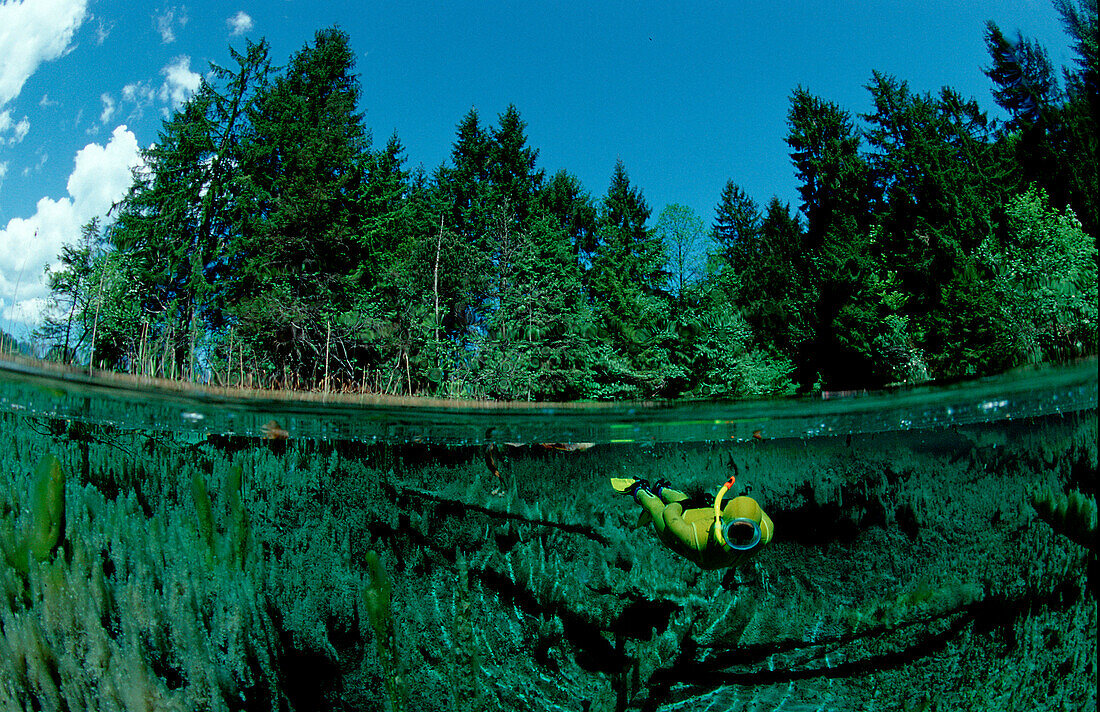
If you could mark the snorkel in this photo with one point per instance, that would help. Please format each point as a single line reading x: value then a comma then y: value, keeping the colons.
x: 718, y: 510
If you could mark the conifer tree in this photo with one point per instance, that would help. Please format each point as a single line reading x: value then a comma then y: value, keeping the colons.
x: 515, y: 179
x: 628, y: 268
x: 837, y: 199
x: 180, y: 217
x: 736, y: 222
x: 307, y: 160
x: 942, y: 176
x: 776, y: 292
x: 627, y: 286
x: 1077, y: 132
x: 564, y: 198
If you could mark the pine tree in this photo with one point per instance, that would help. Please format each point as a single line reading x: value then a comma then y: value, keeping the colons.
x: 307, y: 160
x: 777, y: 294
x: 564, y: 198
x: 488, y: 193
x: 1076, y: 133
x: 627, y: 272
x: 837, y: 199
x: 515, y: 179
x: 736, y: 221
x: 942, y: 177
x: 627, y: 285
x: 1023, y: 75
x: 180, y: 216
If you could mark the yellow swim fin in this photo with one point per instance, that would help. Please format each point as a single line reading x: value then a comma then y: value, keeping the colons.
x: 622, y: 484
x: 644, y: 518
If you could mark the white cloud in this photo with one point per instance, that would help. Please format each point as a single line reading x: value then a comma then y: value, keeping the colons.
x: 3, y: 170
x: 166, y: 23
x: 103, y: 31
x: 138, y: 93
x: 43, y: 158
x: 239, y: 24
x: 18, y: 130
x: 179, y: 82
x: 101, y: 175
x: 108, y: 107
x: 141, y: 95
x: 46, y: 101
x: 178, y: 86
x: 33, y: 32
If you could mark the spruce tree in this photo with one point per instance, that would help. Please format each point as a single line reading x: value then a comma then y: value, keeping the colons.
x: 564, y: 198
x: 627, y: 284
x: 307, y: 160
x: 736, y: 222
x: 837, y: 199
x: 777, y: 294
x: 942, y: 178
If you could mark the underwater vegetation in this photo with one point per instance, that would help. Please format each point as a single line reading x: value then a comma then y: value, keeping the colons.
x: 1070, y: 513
x: 104, y: 607
x: 376, y: 596
x: 938, y: 570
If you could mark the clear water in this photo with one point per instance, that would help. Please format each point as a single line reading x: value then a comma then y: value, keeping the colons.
x: 934, y: 550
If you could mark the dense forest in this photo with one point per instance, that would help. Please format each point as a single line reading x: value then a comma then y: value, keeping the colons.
x: 269, y: 241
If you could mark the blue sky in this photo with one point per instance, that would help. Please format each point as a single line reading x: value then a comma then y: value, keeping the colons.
x: 688, y: 95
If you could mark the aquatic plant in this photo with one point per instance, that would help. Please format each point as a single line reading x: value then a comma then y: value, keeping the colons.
x: 131, y: 617
x: 47, y: 519
x: 232, y: 549
x: 377, y: 601
x: 204, y: 513
x: 49, y: 507
x: 466, y: 666
x: 1072, y: 514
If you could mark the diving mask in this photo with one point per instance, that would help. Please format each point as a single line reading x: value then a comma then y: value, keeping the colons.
x: 741, y: 533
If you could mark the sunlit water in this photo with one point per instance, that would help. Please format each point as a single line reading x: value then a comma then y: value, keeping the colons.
x: 195, y: 550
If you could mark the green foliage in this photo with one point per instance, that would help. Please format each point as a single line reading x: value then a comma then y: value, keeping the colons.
x: 70, y: 295
x: 539, y: 343
x: 1023, y: 75
x: 565, y: 199
x: 232, y: 549
x: 376, y: 596
x: 47, y: 519
x: 238, y: 518
x: 627, y: 279
x: 204, y: 514
x: 1052, y: 133
x: 305, y: 156
x: 267, y: 238
x: 775, y: 288
x: 726, y: 364
x: 681, y: 232
x: 736, y: 221
x: 1044, y: 282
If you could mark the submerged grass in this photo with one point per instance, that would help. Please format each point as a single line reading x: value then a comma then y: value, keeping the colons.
x: 243, y: 573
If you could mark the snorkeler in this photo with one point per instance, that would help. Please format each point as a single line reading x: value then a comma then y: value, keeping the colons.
x: 711, y: 537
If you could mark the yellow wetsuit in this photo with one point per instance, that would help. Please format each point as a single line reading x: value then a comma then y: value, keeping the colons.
x: 690, y: 532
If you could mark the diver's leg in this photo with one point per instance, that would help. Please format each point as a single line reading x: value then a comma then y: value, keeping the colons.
x: 652, y: 504
x: 666, y: 493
